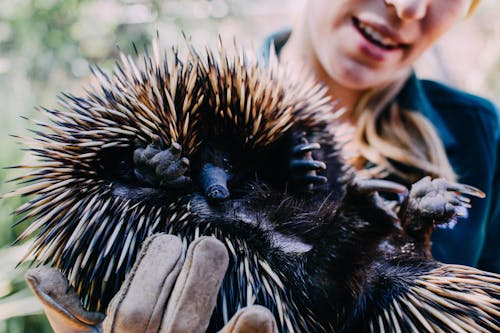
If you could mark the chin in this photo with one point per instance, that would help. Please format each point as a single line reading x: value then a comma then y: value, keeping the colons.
x: 359, y: 79
x: 358, y: 76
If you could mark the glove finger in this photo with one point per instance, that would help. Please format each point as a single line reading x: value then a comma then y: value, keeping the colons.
x: 62, y: 306
x: 195, y: 293
x: 252, y: 319
x: 141, y: 301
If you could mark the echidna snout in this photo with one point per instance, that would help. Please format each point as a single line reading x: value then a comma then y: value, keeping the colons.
x: 217, y: 192
x: 214, y: 182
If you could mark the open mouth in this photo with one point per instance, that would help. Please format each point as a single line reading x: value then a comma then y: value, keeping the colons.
x: 375, y: 37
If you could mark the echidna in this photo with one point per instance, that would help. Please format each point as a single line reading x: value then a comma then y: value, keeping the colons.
x: 200, y: 146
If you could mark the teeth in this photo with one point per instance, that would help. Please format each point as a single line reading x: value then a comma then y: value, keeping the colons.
x: 386, y: 41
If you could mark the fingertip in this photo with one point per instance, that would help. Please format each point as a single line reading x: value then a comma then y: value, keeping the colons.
x: 255, y: 319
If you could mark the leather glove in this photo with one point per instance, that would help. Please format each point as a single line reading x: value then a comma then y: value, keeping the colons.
x: 166, y: 291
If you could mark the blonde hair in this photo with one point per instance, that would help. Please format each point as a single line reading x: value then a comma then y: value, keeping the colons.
x: 473, y: 7
x: 391, y: 140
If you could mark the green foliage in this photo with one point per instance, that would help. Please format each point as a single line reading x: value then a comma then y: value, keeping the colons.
x: 28, y: 324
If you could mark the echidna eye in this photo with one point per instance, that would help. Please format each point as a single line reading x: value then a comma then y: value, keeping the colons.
x: 123, y: 164
x: 118, y: 165
x: 125, y: 169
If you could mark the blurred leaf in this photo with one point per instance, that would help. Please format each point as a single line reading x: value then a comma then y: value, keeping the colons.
x: 22, y: 303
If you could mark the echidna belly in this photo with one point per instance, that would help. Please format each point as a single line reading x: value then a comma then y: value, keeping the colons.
x: 260, y: 271
x: 253, y: 279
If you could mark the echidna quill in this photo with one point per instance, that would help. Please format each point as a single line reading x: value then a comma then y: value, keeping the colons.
x: 201, y: 146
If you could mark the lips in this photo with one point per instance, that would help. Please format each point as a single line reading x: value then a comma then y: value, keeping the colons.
x: 380, y: 36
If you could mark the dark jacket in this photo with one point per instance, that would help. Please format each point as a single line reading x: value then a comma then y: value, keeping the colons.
x: 470, y: 129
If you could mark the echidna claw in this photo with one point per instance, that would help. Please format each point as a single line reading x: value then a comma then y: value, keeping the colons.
x: 185, y: 161
x: 397, y: 225
x: 380, y: 185
x: 305, y: 148
x: 371, y: 189
x: 161, y: 168
x: 426, y: 185
x: 470, y: 190
x: 310, y: 179
x: 175, y: 148
x: 436, y: 202
x: 302, y: 165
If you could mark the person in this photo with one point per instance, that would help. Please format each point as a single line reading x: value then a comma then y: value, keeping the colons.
x: 403, y: 127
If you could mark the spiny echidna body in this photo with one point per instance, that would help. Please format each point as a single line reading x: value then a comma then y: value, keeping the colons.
x: 330, y: 260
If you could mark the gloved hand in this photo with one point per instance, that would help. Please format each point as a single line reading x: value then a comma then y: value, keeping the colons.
x: 166, y: 291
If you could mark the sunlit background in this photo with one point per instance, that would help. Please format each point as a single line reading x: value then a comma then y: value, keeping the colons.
x: 46, y: 46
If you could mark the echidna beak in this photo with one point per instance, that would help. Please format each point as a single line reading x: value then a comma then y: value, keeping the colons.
x: 217, y: 192
x: 214, y: 182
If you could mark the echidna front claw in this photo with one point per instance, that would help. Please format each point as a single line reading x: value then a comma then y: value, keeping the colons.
x: 380, y: 185
x: 466, y: 189
x: 303, y: 167
x: 161, y: 168
x: 307, y: 165
x: 305, y: 148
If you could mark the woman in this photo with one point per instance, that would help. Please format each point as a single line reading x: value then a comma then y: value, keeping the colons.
x: 404, y: 127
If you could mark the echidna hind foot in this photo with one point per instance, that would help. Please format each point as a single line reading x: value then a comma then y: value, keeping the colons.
x: 433, y: 203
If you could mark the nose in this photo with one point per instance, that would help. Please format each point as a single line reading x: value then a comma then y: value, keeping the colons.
x: 409, y: 9
x: 214, y: 182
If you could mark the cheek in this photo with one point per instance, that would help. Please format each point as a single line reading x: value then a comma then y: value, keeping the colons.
x: 318, y: 28
x: 323, y: 18
x: 441, y: 17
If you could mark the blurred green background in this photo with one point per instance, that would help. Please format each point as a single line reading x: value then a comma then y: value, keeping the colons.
x: 47, y: 45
